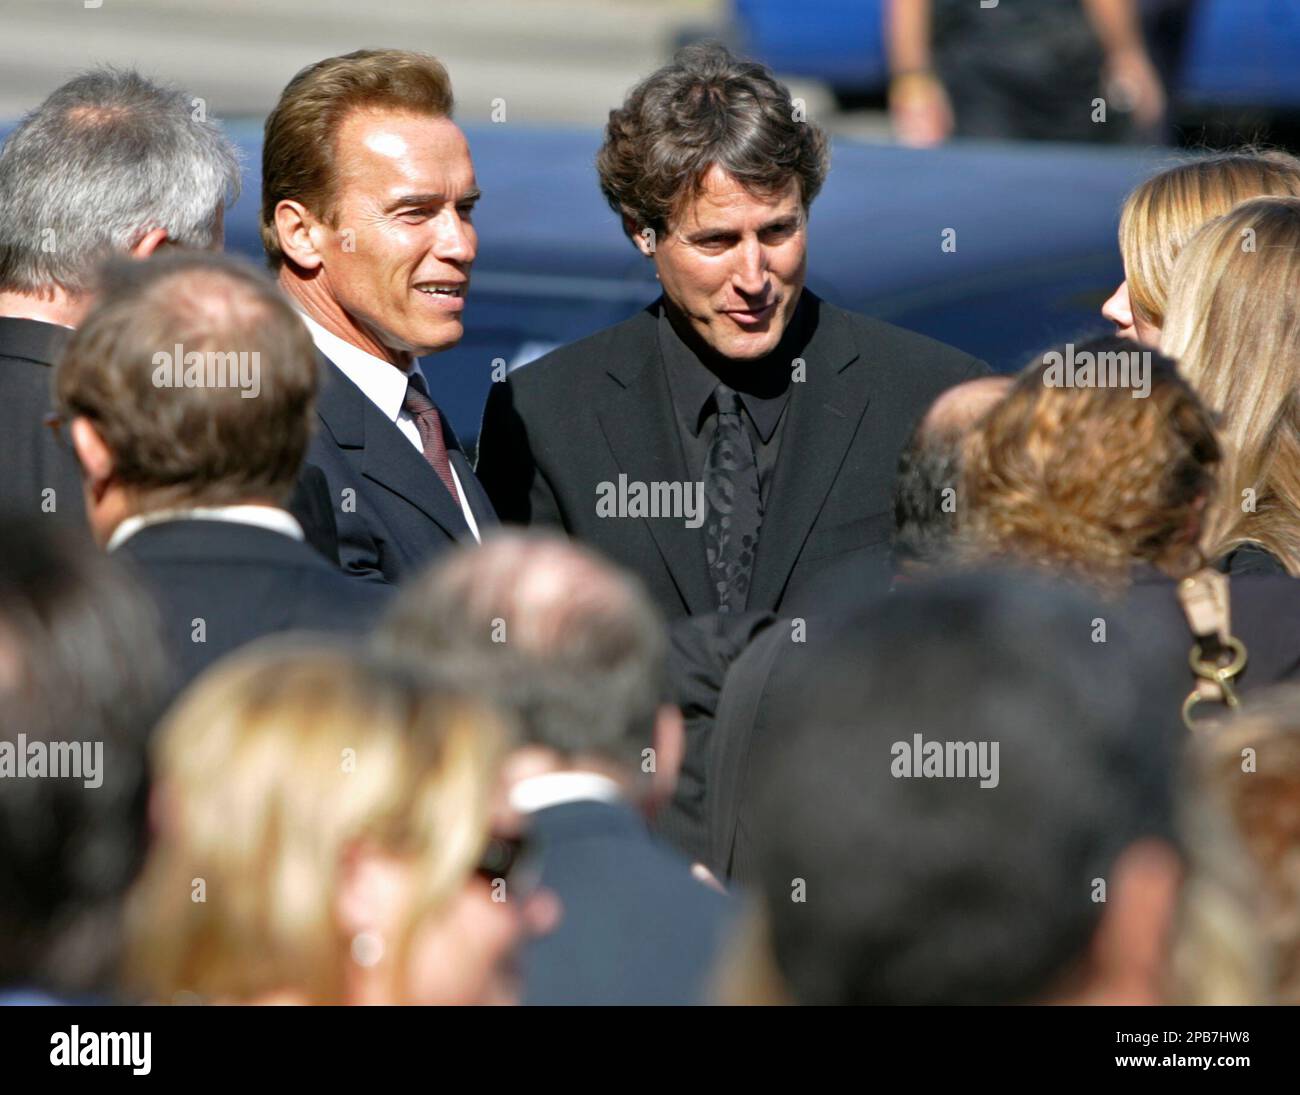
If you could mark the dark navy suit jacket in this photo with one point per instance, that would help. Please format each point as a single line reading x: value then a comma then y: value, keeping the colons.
x: 243, y: 582
x: 33, y: 462
x: 393, y: 514
x: 636, y: 927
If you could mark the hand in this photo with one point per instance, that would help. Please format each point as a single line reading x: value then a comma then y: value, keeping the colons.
x: 1133, y: 85
x: 920, y: 110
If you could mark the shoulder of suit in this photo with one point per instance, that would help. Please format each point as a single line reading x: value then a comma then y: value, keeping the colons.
x: 587, y: 357
x: 876, y: 338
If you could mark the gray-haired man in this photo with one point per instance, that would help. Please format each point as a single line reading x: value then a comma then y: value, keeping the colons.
x: 110, y: 163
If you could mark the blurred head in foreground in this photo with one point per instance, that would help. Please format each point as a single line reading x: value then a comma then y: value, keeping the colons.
x: 973, y: 806
x: 1166, y: 210
x: 321, y: 818
x: 1250, y: 767
x: 190, y: 383
x: 1234, y: 329
x: 929, y: 473
x: 1092, y: 480
x: 564, y: 641
x: 81, y: 675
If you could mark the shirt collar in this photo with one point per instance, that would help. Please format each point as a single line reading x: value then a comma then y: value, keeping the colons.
x: 555, y: 788
x: 267, y: 517
x: 763, y: 386
x: 383, y: 383
x: 35, y: 340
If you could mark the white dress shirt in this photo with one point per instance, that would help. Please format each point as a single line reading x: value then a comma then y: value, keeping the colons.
x: 556, y: 788
x: 268, y: 517
x: 384, y: 384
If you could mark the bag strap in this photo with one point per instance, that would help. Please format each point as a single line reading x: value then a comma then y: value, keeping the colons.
x: 1217, y: 656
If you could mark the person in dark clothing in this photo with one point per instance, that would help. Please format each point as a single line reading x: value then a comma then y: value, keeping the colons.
x: 1086, y: 483
x: 188, y: 455
x: 82, y: 680
x: 1050, y: 70
x: 734, y: 443
x: 969, y: 801
x: 575, y: 652
x: 379, y: 282
x: 79, y: 181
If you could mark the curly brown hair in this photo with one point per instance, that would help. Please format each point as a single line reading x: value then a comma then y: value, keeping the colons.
x: 705, y: 108
x: 1090, y: 480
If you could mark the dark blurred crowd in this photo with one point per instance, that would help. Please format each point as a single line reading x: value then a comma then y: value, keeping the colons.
x: 767, y: 654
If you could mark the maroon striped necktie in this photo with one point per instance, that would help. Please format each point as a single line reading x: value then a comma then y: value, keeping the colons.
x: 429, y: 422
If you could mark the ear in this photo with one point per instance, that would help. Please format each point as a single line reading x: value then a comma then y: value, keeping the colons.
x: 371, y: 890
x: 94, y: 456
x: 637, y: 232
x: 149, y: 243
x: 296, y: 228
x: 670, y: 748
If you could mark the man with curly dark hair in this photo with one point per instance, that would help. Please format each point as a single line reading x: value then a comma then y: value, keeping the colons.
x: 734, y: 443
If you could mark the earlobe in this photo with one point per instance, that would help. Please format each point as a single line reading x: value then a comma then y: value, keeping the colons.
x: 293, y: 226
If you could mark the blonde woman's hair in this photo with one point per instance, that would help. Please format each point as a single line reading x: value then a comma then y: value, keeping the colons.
x: 1166, y: 210
x: 1234, y: 327
x: 270, y: 770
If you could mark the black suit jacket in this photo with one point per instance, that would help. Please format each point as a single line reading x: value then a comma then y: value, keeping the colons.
x: 761, y: 692
x: 701, y: 649
x: 243, y: 582
x: 31, y: 460
x: 392, y: 512
x: 556, y: 429
x: 636, y: 927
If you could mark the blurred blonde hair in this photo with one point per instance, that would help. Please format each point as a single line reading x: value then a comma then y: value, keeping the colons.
x: 1234, y: 327
x: 270, y: 769
x: 1165, y: 211
x: 746, y: 973
x: 1218, y: 954
x: 1249, y: 766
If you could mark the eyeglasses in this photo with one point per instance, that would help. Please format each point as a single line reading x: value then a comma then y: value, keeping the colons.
x: 501, y: 856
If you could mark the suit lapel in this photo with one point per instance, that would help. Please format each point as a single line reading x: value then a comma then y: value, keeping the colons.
x: 825, y: 410
x: 383, y: 454
x: 637, y: 421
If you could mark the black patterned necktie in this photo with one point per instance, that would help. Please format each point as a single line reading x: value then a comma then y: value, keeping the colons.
x: 429, y: 422
x: 735, y: 511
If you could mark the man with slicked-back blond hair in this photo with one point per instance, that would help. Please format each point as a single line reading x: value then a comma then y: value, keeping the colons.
x: 368, y: 191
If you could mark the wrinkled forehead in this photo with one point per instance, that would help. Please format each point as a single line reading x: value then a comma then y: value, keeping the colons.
x: 389, y: 153
x: 719, y: 200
